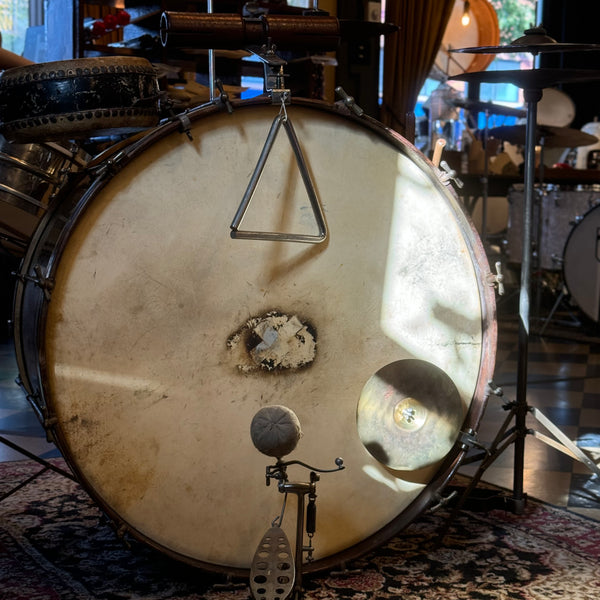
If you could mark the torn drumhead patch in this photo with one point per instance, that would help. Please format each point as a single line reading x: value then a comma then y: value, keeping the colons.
x: 273, y: 342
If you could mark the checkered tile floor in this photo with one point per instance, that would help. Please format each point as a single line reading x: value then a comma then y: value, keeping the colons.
x: 564, y: 383
x: 18, y: 422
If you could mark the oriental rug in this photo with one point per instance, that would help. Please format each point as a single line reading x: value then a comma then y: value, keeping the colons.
x: 55, y: 543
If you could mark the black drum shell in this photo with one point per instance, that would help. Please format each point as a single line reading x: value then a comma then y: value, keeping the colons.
x: 78, y: 98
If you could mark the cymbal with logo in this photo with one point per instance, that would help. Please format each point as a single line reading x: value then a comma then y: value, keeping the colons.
x: 409, y: 414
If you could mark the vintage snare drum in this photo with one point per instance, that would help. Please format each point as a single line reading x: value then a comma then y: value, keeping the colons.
x: 554, y: 213
x: 31, y: 176
x: 582, y: 264
x: 153, y: 335
x: 78, y: 98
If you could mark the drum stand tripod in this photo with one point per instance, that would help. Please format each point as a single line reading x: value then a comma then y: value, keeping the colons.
x: 519, y: 409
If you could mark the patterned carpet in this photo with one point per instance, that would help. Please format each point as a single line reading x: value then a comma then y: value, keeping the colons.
x: 56, y: 544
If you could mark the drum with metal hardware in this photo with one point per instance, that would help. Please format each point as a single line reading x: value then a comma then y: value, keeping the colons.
x: 78, y: 99
x: 189, y: 288
x: 582, y: 264
x: 31, y: 175
x: 555, y: 212
x: 555, y: 108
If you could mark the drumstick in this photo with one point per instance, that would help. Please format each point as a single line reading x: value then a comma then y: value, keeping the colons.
x: 437, y: 151
x: 8, y: 60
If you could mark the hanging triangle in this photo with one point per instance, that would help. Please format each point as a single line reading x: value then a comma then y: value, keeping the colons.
x: 280, y: 119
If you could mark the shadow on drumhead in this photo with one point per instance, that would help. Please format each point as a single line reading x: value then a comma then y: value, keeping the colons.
x: 409, y: 415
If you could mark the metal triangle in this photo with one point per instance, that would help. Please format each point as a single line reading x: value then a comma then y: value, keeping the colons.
x: 280, y: 119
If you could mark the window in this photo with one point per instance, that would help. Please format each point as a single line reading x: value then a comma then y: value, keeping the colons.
x: 514, y: 17
x: 14, y: 21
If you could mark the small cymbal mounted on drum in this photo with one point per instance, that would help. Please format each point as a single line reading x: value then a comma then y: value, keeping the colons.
x: 409, y: 414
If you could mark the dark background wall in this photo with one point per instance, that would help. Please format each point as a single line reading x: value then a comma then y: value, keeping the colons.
x: 575, y: 21
x: 8, y: 264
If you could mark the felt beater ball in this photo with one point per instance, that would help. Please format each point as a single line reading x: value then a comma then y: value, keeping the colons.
x: 275, y: 430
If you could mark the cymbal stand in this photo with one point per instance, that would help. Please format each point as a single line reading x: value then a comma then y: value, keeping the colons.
x: 532, y: 97
x: 211, y: 60
x: 519, y: 409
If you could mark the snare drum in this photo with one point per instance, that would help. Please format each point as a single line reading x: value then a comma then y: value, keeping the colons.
x: 78, y: 98
x: 139, y: 341
x: 31, y: 176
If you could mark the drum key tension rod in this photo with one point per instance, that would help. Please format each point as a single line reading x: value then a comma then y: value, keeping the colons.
x: 271, y: 576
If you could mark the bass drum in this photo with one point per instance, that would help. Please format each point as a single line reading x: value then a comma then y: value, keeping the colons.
x: 581, y: 264
x: 153, y: 335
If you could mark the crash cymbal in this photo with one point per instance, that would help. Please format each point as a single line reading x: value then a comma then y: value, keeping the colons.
x: 530, y: 48
x: 531, y: 78
x: 409, y: 414
x: 489, y: 107
x: 535, y: 41
x: 554, y: 137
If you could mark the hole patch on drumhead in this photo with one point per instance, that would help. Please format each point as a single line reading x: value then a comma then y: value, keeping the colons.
x: 273, y: 342
x: 409, y: 414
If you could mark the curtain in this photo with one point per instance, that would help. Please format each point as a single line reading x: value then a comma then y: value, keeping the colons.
x: 409, y: 55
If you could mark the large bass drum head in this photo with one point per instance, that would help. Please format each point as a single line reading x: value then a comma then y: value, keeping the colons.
x: 164, y: 335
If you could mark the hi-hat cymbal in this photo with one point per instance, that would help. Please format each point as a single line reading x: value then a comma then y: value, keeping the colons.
x: 489, y: 107
x: 409, y: 414
x: 531, y: 78
x: 553, y: 137
x: 535, y: 41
